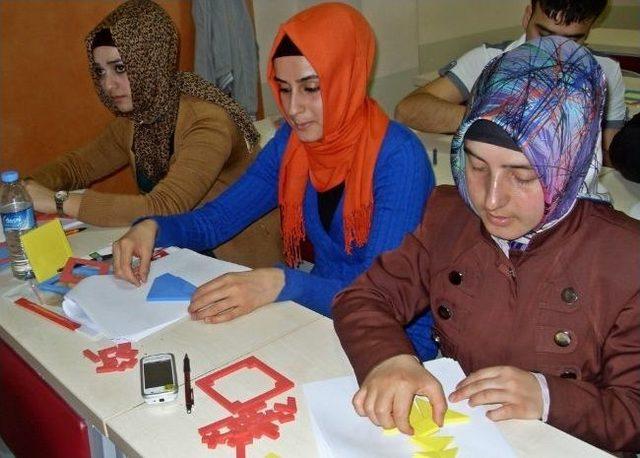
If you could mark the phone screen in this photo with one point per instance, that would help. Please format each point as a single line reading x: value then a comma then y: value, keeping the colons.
x: 158, y: 374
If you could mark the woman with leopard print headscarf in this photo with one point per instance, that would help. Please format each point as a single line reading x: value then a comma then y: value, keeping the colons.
x: 184, y: 139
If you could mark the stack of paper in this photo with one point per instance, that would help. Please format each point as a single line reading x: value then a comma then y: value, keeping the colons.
x: 340, y: 432
x: 121, y: 311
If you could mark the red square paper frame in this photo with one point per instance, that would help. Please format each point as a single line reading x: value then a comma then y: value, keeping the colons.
x: 67, y: 275
x: 281, y: 384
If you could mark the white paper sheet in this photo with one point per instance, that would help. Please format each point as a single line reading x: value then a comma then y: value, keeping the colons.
x: 341, y: 433
x: 479, y: 437
x: 120, y: 310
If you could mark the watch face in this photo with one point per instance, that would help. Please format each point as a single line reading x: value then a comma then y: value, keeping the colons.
x: 61, y: 195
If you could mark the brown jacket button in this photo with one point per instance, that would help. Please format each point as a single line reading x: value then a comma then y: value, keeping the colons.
x: 444, y: 312
x: 455, y: 277
x: 569, y: 295
x: 562, y: 338
x: 569, y: 374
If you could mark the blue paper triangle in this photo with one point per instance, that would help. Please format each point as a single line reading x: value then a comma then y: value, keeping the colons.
x: 168, y: 287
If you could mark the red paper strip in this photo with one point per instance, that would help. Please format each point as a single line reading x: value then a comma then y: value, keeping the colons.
x: 91, y: 355
x: 48, y: 314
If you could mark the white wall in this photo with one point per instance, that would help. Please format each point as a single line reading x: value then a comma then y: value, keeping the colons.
x: 441, y: 20
x: 420, y: 36
x: 396, y: 28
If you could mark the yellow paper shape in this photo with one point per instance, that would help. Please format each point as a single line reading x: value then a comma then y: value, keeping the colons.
x: 455, y: 418
x: 432, y: 443
x: 448, y: 453
x: 424, y: 406
x: 272, y: 455
x: 425, y: 428
x: 47, y: 248
x: 415, y: 415
x: 420, y: 419
x: 451, y: 417
x: 391, y: 432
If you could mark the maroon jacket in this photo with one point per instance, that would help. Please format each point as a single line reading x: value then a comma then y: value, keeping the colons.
x: 568, y: 307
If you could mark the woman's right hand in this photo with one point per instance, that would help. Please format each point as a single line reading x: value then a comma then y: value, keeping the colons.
x: 138, y: 241
x: 386, y: 395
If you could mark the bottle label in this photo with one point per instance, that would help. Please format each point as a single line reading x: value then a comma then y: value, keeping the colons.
x: 22, y: 220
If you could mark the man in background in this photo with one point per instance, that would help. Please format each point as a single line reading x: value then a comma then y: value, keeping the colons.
x: 439, y: 105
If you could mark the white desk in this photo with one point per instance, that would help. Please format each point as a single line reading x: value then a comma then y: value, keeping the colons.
x: 309, y: 354
x: 56, y: 353
x: 295, y: 341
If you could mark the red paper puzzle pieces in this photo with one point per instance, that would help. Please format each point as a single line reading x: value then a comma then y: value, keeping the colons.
x: 249, y: 419
x: 67, y: 275
x: 114, y: 359
x: 282, y: 384
x: 249, y: 423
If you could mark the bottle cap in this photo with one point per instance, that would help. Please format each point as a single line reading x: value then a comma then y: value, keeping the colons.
x: 9, y: 176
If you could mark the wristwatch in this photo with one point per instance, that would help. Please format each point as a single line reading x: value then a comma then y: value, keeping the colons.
x: 60, y: 197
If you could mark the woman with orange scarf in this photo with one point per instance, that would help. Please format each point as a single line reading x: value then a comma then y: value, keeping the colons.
x: 344, y: 176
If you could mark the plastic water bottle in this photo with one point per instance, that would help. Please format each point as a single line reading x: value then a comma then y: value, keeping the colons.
x: 16, y: 210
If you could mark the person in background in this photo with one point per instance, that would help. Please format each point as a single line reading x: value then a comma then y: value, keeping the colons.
x: 625, y: 150
x: 345, y: 177
x: 439, y: 105
x: 534, y: 291
x: 184, y: 139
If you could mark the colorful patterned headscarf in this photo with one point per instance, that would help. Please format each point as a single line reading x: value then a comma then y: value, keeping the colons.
x: 548, y: 95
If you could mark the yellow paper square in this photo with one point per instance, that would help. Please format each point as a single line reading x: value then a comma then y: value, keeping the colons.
x: 47, y: 248
x: 391, y: 432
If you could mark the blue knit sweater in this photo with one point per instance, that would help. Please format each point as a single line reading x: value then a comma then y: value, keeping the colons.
x: 403, y: 180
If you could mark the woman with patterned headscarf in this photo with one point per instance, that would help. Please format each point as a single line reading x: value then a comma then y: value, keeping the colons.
x: 344, y: 176
x: 534, y: 291
x: 184, y: 139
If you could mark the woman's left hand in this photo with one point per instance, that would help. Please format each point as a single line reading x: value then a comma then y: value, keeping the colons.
x: 43, y: 198
x: 518, y: 391
x: 234, y: 294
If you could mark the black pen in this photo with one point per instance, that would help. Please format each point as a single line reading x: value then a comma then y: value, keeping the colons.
x: 188, y: 391
x: 435, y: 156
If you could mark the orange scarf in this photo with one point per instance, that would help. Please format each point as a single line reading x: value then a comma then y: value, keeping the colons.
x: 340, y: 46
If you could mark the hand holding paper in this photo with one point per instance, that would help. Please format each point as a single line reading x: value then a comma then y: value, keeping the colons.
x: 340, y: 432
x: 138, y: 241
x: 517, y: 390
x: 386, y: 395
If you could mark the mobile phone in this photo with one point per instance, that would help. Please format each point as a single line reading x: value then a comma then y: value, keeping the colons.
x: 158, y: 380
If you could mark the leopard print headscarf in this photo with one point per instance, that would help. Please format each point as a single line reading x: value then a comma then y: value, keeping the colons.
x: 148, y: 43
